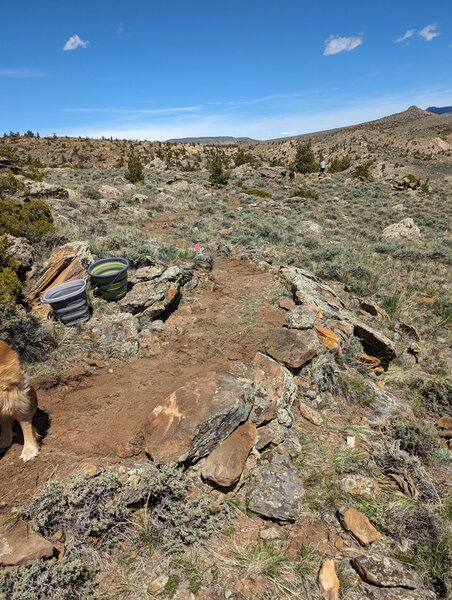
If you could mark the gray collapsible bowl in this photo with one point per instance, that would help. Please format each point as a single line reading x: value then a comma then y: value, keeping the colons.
x: 68, y: 301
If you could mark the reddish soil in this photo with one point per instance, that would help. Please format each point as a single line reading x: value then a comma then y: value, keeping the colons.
x: 227, y: 318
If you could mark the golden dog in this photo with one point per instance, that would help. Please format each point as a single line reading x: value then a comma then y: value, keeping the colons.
x: 18, y: 402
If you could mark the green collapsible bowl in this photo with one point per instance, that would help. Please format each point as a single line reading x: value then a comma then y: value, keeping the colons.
x: 109, y: 276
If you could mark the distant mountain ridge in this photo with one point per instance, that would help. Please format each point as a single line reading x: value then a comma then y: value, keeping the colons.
x: 440, y: 110
x: 212, y: 141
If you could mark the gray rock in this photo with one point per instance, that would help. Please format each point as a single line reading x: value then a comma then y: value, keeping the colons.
x: 300, y: 317
x: 21, y: 251
x: 384, y: 571
x: 109, y: 191
x: 40, y: 189
x: 276, y: 491
x: 106, y: 205
x: 118, y: 334
x: 405, y: 229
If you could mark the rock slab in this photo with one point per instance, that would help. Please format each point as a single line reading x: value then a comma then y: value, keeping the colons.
x: 197, y: 417
x: 383, y: 571
x: 328, y: 580
x: 225, y: 464
x: 359, y: 526
x: 292, y: 347
x: 19, y: 545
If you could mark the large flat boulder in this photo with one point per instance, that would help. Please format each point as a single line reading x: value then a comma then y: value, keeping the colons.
x: 276, y: 491
x: 225, y: 463
x: 197, y: 417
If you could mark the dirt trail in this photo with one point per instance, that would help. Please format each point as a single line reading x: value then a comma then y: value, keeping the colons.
x: 226, y: 318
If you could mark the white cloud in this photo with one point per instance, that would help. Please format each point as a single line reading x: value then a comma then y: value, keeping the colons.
x: 336, y: 44
x: 406, y: 35
x: 427, y: 33
x: 120, y: 28
x: 75, y: 42
x: 21, y: 73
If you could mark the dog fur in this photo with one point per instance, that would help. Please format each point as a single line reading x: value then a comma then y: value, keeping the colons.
x: 18, y: 401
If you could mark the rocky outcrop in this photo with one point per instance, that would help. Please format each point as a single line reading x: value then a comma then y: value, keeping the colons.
x: 275, y: 491
x: 332, y: 314
x: 118, y: 334
x: 154, y: 290
x: 278, y: 388
x: 197, y: 417
x: 40, y: 189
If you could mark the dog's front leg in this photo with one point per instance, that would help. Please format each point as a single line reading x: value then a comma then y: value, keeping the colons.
x: 31, y: 449
x: 6, y: 433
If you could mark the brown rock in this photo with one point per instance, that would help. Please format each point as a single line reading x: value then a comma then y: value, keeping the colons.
x: 286, y: 303
x: 65, y: 263
x: 446, y: 434
x: 359, y: 526
x: 225, y: 464
x: 372, y: 308
x: 19, y: 545
x: 272, y: 433
x: 194, y: 419
x: 327, y: 337
x: 328, y: 580
x: 157, y: 585
x: 292, y: 347
x: 310, y: 414
x: 445, y: 422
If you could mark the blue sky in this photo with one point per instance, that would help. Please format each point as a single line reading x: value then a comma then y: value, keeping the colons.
x: 258, y: 68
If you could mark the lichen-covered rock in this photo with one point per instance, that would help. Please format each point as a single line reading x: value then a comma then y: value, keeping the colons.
x: 301, y: 317
x: 310, y: 414
x: 277, y: 386
x: 276, y: 491
x: 384, y: 571
x: 21, y: 251
x: 197, y: 417
x: 272, y: 433
x: 405, y: 229
x: 118, y: 335
x: 41, y: 189
x: 292, y: 347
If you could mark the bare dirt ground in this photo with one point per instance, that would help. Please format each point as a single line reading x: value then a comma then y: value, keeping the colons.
x: 227, y: 318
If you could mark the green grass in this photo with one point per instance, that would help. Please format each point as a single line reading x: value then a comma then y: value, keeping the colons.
x: 262, y: 558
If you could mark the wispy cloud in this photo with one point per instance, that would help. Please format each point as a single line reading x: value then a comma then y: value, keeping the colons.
x: 75, y: 42
x: 120, y: 28
x: 427, y: 33
x: 22, y: 73
x: 336, y: 44
x: 406, y: 36
x: 133, y: 111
